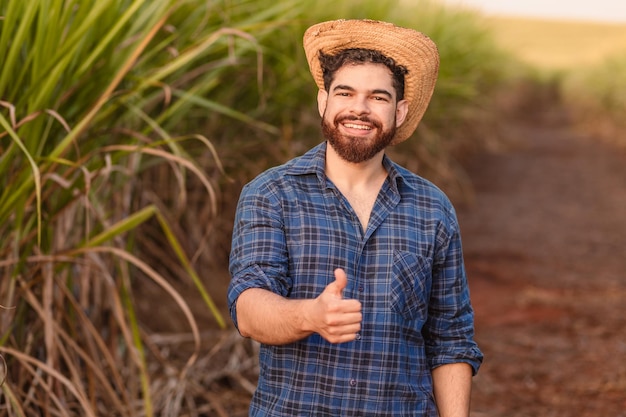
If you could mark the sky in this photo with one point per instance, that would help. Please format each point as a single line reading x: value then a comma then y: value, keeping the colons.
x: 594, y: 10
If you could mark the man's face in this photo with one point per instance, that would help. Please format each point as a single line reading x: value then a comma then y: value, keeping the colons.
x: 359, y: 112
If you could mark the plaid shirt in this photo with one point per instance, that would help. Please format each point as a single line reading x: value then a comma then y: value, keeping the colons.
x: 293, y: 228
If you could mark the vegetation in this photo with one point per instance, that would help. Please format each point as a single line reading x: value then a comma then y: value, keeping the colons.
x: 597, y: 98
x: 127, y: 129
x: 559, y: 45
x: 582, y: 61
x: 97, y: 169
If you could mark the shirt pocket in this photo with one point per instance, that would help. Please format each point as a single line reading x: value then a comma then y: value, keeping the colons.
x: 410, y: 285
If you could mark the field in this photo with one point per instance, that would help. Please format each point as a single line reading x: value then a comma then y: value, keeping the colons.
x: 582, y: 61
x: 544, y: 245
x: 126, y: 134
x: 542, y: 237
x: 557, y: 45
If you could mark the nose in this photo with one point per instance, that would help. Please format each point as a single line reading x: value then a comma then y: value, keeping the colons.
x: 359, y: 105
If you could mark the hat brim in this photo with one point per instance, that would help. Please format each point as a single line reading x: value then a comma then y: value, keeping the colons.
x: 409, y: 48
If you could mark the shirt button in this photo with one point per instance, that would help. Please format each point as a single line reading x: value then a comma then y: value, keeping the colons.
x: 353, y: 382
x: 360, y: 288
x: 358, y: 336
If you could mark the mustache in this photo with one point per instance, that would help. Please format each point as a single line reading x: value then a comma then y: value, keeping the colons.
x: 353, y: 118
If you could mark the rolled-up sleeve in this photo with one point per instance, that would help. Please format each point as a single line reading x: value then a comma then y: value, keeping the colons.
x: 258, y: 257
x: 449, y: 330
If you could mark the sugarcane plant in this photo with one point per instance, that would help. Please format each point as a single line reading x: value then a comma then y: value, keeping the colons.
x: 93, y: 98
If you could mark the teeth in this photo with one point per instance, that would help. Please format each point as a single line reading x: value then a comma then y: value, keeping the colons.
x: 355, y: 126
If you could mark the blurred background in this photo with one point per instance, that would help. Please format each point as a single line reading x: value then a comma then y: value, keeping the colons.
x: 600, y: 11
x: 128, y: 127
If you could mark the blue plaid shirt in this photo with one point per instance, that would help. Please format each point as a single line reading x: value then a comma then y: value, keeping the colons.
x: 293, y: 228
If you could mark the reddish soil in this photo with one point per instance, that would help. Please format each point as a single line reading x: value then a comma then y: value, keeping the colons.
x: 545, y: 247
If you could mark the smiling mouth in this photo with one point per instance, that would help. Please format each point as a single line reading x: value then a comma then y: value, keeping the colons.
x: 357, y: 126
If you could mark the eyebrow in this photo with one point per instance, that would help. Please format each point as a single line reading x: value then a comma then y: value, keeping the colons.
x: 377, y: 91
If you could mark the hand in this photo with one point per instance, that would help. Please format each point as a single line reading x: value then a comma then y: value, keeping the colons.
x: 334, y: 318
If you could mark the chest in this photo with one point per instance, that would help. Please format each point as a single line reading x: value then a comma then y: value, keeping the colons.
x: 362, y: 203
x: 326, y: 229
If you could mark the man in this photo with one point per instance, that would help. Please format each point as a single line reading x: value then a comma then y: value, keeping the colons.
x: 346, y: 267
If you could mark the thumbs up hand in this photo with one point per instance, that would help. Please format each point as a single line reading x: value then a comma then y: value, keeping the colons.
x: 334, y: 318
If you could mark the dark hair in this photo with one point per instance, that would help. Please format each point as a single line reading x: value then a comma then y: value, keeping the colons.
x: 332, y: 63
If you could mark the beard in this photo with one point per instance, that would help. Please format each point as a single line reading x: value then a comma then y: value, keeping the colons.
x: 355, y: 149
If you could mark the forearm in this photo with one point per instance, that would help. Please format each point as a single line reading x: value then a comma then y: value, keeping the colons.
x: 452, y: 386
x: 269, y: 318
x: 274, y: 320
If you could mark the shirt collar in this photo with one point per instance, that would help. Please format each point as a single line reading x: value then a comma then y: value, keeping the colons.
x: 314, y: 161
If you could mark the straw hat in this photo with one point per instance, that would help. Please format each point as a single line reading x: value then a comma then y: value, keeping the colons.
x: 409, y: 48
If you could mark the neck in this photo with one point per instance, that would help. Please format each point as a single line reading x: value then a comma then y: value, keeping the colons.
x: 353, y: 175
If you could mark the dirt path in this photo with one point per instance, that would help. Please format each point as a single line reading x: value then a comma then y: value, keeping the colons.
x: 545, y: 246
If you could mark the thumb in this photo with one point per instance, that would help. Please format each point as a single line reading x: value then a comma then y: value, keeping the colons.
x: 341, y: 280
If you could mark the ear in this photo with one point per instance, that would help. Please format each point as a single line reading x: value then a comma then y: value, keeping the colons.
x: 322, y: 98
x: 402, y: 109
